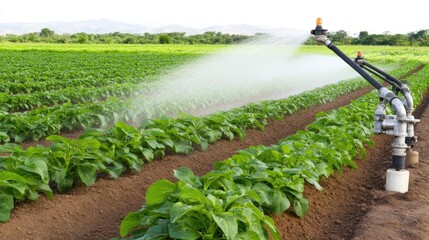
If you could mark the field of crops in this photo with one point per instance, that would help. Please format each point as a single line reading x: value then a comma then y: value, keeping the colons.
x: 48, y: 91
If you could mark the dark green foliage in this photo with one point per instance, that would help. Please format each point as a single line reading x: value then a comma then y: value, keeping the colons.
x: 48, y: 36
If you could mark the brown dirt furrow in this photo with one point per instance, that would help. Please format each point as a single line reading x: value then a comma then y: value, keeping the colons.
x: 354, y: 204
x: 96, y: 212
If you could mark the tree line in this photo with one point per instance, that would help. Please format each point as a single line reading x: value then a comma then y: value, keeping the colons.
x: 46, y: 35
x: 417, y: 38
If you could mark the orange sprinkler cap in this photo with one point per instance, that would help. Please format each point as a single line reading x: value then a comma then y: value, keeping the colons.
x: 319, y: 22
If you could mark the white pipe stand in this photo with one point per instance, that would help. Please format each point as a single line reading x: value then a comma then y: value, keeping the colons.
x: 397, y: 181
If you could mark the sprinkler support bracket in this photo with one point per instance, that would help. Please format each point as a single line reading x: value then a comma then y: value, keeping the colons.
x: 400, y: 125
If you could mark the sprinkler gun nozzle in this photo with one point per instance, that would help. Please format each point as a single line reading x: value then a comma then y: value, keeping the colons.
x: 360, y: 60
x: 319, y: 32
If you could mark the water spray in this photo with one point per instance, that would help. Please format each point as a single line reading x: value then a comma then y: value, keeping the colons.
x: 264, y: 68
x: 400, y: 125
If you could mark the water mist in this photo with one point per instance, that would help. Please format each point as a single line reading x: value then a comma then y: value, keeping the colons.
x: 264, y: 68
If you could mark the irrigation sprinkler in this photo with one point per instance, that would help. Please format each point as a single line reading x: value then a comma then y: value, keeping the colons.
x: 400, y: 124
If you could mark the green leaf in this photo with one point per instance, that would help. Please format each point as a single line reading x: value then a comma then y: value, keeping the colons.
x: 186, y: 175
x: 37, y: 166
x: 190, y: 194
x: 127, y: 129
x: 152, y: 143
x: 63, y: 181
x: 159, y: 191
x: 46, y: 190
x: 130, y: 222
x: 300, y: 206
x: 264, y: 192
x: 285, y: 149
x: 4, y: 137
x: 16, y: 183
x: 157, y: 232
x: 182, y: 147
x: 19, y: 137
x: 279, y: 202
x: 11, y: 176
x: 86, y: 143
x: 247, y: 216
x: 57, y: 138
x: 179, y: 209
x: 181, y: 231
x: 10, y: 148
x: 87, y: 173
x: 228, y: 223
x: 248, y: 235
x: 148, y: 154
x: 271, y: 226
x: 6, y: 205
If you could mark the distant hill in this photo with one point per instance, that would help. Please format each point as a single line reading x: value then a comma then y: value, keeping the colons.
x: 99, y: 26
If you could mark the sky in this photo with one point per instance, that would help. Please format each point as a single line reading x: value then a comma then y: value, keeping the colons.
x: 374, y: 16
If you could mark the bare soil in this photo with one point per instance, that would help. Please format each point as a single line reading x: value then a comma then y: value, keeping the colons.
x: 352, y: 205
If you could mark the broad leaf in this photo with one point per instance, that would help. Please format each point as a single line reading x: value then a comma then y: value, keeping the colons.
x: 190, y: 194
x: 148, y: 154
x: 279, y: 202
x: 179, y: 209
x: 130, y: 222
x: 87, y: 173
x: 6, y: 205
x: 186, y: 175
x: 159, y: 191
x: 181, y: 231
x: 10, y: 148
x: 37, y: 166
x: 228, y: 223
x: 157, y: 232
x: 300, y: 206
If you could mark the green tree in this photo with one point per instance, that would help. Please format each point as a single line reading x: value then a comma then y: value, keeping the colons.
x: 340, y: 36
x: 419, y: 38
x: 81, y: 37
x: 363, y: 38
x: 46, y: 33
x: 165, y: 39
x: 130, y: 40
x: 31, y: 37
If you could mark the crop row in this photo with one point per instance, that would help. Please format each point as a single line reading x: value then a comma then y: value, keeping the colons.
x: 30, y: 71
x: 234, y: 200
x: 41, y: 122
x: 70, y: 162
x: 73, y: 95
x: 38, y: 123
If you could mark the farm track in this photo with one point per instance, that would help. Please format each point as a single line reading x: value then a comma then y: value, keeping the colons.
x: 96, y: 212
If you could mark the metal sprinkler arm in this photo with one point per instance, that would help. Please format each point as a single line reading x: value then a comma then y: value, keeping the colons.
x: 400, y: 125
x: 366, y: 65
x: 324, y: 39
x: 320, y: 35
x: 398, y: 85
